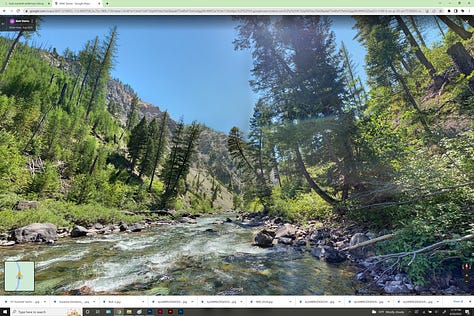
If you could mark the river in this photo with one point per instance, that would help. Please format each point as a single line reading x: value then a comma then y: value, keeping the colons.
x: 181, y: 259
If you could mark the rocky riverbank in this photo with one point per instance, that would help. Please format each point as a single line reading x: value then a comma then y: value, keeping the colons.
x: 329, y: 242
x: 324, y: 241
x: 49, y: 233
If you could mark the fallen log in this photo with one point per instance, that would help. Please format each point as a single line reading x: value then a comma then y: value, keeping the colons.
x: 422, y: 250
x: 369, y: 242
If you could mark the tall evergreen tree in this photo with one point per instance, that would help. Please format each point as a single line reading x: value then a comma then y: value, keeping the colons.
x: 137, y: 143
x: 132, y: 117
x: 104, y: 68
x: 160, y: 146
x: 90, y: 56
x: 147, y: 161
x: 296, y: 68
x: 177, y: 166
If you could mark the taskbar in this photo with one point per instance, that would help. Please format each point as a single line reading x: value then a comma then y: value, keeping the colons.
x: 276, y: 301
x: 140, y: 311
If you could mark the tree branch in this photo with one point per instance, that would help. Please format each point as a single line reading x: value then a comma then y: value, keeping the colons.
x: 422, y: 250
x: 421, y: 197
x: 369, y: 242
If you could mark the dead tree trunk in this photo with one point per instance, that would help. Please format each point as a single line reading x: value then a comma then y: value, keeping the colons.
x: 11, y: 51
x: 459, y: 30
x: 463, y: 61
x: 326, y: 197
x: 469, y: 19
x: 418, y: 52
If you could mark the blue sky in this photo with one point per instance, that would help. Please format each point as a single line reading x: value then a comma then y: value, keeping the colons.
x: 186, y: 65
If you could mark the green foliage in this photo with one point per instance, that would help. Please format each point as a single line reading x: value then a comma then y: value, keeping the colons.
x: 176, y: 169
x: 11, y: 162
x: 46, y: 183
x: 201, y: 206
x: 301, y: 208
x: 65, y: 214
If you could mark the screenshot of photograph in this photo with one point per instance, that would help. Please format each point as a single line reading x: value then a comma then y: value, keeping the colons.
x: 236, y: 155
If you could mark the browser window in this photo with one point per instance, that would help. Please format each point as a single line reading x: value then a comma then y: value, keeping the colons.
x: 278, y: 157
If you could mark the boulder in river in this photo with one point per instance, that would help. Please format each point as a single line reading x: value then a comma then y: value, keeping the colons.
x: 287, y: 230
x: 328, y: 254
x: 123, y: 227
x: 137, y: 227
x: 285, y: 241
x: 36, y: 232
x: 264, y: 238
x: 79, y: 231
x: 187, y: 220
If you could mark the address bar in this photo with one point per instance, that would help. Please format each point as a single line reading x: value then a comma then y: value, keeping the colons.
x: 234, y: 11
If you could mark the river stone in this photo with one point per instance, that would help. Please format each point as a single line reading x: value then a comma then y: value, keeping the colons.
x: 98, y: 226
x: 36, y: 232
x: 362, y: 252
x: 123, y: 227
x: 187, y: 220
x: 287, y: 230
x: 79, y: 231
x: 164, y: 213
x: 232, y: 291
x: 26, y: 205
x: 328, y: 254
x: 395, y: 287
x: 7, y: 242
x: 137, y: 227
x: 228, y: 220
x: 285, y: 240
x: 264, y: 238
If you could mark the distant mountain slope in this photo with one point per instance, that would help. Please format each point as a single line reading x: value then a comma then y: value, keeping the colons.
x: 213, y: 160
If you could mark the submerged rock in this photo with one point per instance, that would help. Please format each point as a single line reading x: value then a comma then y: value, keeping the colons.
x: 36, y: 232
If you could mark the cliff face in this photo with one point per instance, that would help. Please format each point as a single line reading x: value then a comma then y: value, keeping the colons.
x: 212, y: 159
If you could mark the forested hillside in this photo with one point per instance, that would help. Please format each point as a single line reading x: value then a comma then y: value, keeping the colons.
x: 86, y: 147
x: 394, y: 155
x: 390, y: 157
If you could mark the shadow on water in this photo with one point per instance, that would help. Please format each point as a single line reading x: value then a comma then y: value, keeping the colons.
x: 183, y: 259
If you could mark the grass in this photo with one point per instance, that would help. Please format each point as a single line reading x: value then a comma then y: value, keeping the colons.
x: 65, y: 214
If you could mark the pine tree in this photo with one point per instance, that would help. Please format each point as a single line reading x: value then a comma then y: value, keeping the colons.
x: 147, y: 161
x: 160, y: 146
x: 132, y: 118
x: 137, y: 143
x: 90, y: 59
x: 104, y: 68
x: 295, y: 66
x: 177, y: 167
